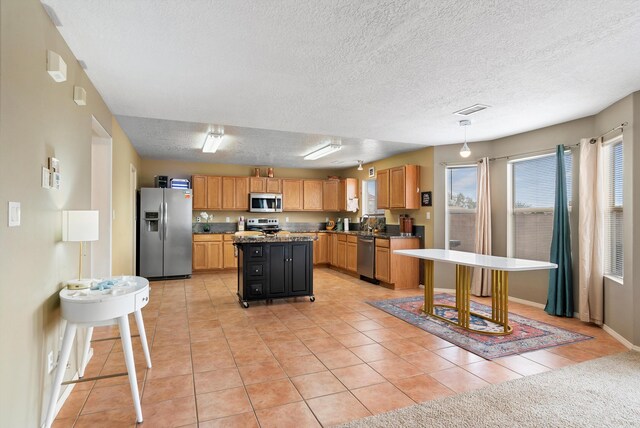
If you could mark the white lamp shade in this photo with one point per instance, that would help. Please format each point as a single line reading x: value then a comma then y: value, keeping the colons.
x: 80, y: 226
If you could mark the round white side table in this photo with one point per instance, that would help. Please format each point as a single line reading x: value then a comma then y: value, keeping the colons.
x: 97, y: 308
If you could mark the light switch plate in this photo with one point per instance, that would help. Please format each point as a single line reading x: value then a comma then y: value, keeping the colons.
x: 46, y: 177
x: 14, y: 214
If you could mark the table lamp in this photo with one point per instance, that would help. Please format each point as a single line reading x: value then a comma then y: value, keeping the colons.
x: 80, y: 226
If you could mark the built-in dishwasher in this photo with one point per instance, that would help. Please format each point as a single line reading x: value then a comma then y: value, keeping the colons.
x: 367, y: 258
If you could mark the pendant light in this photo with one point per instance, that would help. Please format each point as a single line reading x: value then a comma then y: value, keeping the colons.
x: 465, y: 151
x: 360, y: 165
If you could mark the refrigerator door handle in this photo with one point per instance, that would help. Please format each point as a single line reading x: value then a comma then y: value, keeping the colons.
x: 166, y: 220
x: 161, y: 225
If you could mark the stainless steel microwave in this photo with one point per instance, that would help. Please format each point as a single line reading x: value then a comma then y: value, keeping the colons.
x: 265, y: 202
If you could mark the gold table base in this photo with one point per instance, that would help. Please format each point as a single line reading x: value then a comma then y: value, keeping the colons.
x: 499, y: 299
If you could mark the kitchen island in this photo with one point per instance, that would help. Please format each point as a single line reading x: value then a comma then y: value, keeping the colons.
x: 274, y: 267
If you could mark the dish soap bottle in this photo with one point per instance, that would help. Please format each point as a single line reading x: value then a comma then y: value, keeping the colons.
x: 241, y: 223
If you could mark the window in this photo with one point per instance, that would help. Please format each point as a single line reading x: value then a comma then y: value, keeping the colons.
x: 533, y: 199
x: 369, y: 198
x: 613, y: 212
x: 461, y: 208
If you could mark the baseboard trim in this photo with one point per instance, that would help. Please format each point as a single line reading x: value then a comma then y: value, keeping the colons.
x: 67, y: 390
x: 619, y: 338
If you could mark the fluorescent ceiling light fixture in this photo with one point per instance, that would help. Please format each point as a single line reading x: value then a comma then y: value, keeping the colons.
x: 212, y: 142
x: 324, y: 151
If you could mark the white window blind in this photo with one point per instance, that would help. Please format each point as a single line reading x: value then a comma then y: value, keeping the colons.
x: 461, y: 207
x: 613, y: 215
x: 534, y: 184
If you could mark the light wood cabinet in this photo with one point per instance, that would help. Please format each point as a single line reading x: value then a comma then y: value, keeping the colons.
x: 265, y: 185
x: 341, y: 260
x: 199, y: 187
x: 330, y: 194
x: 257, y: 185
x: 273, y: 185
x: 207, y: 252
x: 214, y: 193
x: 404, y: 187
x: 312, y: 195
x: 348, y: 190
x: 235, y: 193
x: 395, y: 271
x: 321, y: 249
x: 333, y: 249
x: 352, y: 253
x: 230, y: 253
x: 382, y: 264
x: 382, y: 188
x: 292, y: 195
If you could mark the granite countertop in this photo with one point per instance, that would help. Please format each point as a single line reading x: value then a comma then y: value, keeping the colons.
x: 271, y: 238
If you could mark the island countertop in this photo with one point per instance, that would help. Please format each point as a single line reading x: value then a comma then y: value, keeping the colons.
x: 271, y: 238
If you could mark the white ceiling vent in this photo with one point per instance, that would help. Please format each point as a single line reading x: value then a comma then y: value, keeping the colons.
x: 467, y: 111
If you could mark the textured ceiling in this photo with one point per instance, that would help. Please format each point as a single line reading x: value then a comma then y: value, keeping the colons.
x: 172, y: 140
x: 391, y: 70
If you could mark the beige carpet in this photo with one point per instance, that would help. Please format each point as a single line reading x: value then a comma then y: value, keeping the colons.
x: 600, y: 393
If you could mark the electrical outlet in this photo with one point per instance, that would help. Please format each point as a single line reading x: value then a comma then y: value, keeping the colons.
x: 228, y: 219
x: 50, y: 363
x: 286, y: 219
x: 428, y: 215
x: 197, y: 219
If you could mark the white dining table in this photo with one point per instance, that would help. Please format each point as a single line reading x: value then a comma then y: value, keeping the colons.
x: 465, y: 262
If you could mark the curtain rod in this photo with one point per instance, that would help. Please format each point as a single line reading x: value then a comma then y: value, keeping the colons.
x: 621, y: 126
x: 542, y: 151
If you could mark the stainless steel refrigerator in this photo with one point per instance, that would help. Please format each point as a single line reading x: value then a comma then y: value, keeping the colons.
x: 164, y: 232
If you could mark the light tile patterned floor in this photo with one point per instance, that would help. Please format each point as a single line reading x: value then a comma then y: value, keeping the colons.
x: 292, y: 363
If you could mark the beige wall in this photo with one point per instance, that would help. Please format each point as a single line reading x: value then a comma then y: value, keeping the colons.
x: 423, y: 158
x: 38, y: 119
x: 620, y: 300
x: 124, y: 157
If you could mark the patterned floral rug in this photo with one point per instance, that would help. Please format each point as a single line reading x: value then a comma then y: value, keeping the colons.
x: 528, y: 334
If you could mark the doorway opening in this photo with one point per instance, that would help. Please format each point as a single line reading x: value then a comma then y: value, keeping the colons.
x: 101, y: 198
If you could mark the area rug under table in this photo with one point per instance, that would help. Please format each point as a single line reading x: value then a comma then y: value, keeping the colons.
x: 528, y: 335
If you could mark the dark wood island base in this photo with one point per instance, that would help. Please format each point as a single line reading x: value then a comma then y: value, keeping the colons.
x: 274, y: 267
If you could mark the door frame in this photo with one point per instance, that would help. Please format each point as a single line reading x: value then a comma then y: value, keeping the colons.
x: 102, y: 198
x: 133, y: 190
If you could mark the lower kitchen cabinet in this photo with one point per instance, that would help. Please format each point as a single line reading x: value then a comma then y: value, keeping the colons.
x: 271, y: 270
x: 341, y: 251
x: 393, y: 270
x: 321, y: 249
x: 352, y: 253
x: 214, y: 251
x: 207, y: 252
x: 230, y: 252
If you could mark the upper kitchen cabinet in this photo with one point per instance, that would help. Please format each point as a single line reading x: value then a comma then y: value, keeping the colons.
x: 312, y: 195
x: 265, y: 185
x: 214, y: 193
x: 235, y: 193
x: 292, y: 195
x: 330, y: 195
x: 347, y: 190
x: 207, y: 192
x: 199, y: 186
x: 399, y: 187
x: 274, y: 185
x: 382, y: 191
x: 404, y: 187
x: 257, y: 185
